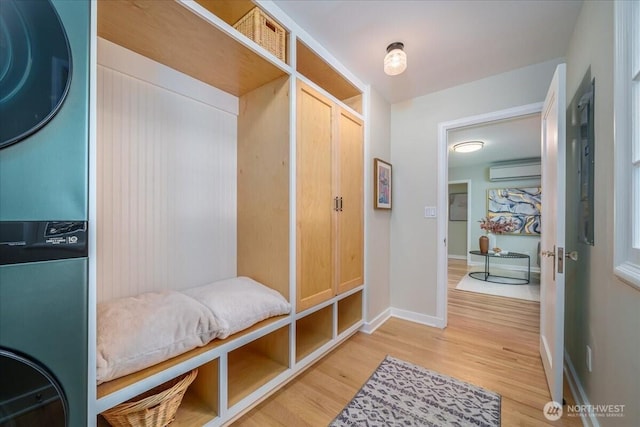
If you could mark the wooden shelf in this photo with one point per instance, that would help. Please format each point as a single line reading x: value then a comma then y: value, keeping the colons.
x: 263, y: 185
x: 313, y: 331
x: 200, y: 403
x: 170, y: 33
x: 255, y: 364
x: 349, y: 311
x: 122, y: 382
x: 313, y: 67
x: 230, y: 11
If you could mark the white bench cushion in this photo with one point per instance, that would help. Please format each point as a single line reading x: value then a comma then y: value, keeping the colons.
x: 137, y: 332
x: 239, y: 303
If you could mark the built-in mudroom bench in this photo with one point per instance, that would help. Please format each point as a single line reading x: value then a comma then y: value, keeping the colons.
x: 213, y: 158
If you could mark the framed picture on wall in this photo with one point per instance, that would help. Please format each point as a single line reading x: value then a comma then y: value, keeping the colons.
x: 520, y: 205
x: 381, y: 184
x: 458, y: 207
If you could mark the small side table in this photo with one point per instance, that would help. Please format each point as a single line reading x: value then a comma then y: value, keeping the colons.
x: 487, y: 276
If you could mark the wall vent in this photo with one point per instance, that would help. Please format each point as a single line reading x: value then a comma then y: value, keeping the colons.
x: 513, y: 172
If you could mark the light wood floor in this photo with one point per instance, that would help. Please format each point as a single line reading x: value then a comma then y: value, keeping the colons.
x: 490, y: 341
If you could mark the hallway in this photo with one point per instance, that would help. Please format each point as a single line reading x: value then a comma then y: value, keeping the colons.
x: 490, y: 341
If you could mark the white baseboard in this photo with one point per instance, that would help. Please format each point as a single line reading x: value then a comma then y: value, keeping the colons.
x: 370, y: 327
x: 579, y: 394
x: 462, y: 257
x: 423, y: 319
x: 509, y: 267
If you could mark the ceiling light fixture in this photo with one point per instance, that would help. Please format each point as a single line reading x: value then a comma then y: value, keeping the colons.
x: 468, y: 146
x: 395, y: 61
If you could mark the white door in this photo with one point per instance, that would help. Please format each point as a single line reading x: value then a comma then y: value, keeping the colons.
x: 553, y: 231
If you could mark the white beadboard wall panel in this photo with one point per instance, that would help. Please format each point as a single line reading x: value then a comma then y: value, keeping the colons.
x: 128, y: 62
x: 166, y: 188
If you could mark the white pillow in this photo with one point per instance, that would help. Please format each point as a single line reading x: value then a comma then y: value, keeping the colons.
x: 137, y: 332
x: 239, y: 303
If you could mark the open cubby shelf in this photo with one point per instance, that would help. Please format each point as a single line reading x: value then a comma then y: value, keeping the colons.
x: 349, y: 311
x: 313, y: 331
x: 230, y: 11
x: 255, y: 364
x: 170, y: 33
x: 316, y: 69
x: 107, y: 388
x: 200, y: 402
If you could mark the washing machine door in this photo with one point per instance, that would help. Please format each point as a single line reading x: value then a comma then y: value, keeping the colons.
x: 35, y: 67
x: 29, y: 395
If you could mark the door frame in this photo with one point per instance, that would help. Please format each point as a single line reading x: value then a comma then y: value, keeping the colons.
x: 443, y: 191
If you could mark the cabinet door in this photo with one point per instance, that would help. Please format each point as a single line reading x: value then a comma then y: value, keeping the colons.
x: 350, y: 217
x: 315, y: 263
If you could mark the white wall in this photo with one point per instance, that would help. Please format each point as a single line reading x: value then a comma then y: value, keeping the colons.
x: 479, y: 176
x: 378, y: 222
x: 601, y: 311
x: 166, y: 177
x: 414, y: 134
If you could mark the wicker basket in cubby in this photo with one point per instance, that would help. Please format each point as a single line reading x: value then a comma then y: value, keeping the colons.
x: 263, y: 30
x: 154, y: 408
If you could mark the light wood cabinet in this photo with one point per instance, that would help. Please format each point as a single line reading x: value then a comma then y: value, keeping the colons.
x: 329, y: 199
x: 350, y: 239
x: 197, y: 39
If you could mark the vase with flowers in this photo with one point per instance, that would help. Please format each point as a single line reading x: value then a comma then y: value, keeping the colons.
x: 493, y: 227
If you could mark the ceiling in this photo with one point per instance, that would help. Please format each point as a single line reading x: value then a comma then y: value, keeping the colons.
x: 504, y: 140
x: 447, y: 42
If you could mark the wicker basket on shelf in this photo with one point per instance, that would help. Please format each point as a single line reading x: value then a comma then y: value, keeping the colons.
x: 154, y: 408
x: 263, y: 30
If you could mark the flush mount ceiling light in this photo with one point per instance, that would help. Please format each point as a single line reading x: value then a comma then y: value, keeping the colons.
x: 468, y: 146
x: 395, y: 61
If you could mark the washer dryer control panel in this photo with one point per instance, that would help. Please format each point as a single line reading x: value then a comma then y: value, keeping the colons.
x: 33, y: 241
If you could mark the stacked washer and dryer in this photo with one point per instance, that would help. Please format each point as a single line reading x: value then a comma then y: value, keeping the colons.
x: 44, y: 134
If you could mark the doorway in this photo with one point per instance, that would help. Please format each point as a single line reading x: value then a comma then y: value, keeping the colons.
x: 459, y: 221
x: 444, y: 130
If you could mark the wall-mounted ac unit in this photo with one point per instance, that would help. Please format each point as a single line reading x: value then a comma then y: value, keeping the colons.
x: 513, y: 172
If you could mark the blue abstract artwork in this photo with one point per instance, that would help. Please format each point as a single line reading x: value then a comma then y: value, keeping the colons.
x: 522, y: 205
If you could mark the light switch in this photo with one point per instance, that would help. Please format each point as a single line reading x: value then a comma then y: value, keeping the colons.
x: 429, y: 211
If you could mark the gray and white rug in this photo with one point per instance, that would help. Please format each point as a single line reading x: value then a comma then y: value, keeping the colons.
x: 402, y: 394
x: 530, y: 292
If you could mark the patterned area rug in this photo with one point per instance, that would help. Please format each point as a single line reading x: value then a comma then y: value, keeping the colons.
x: 402, y: 394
